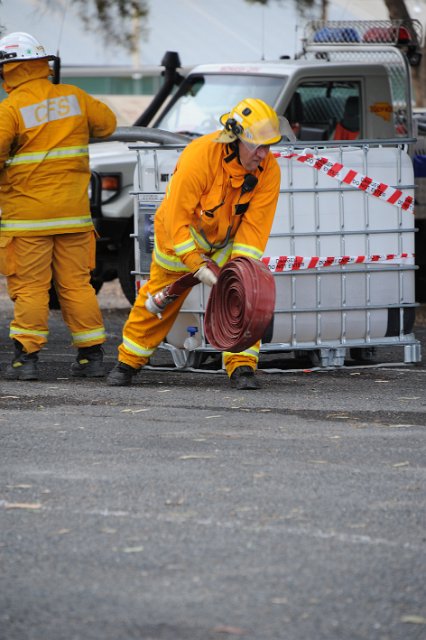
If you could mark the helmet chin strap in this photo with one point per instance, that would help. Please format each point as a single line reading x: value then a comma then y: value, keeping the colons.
x: 234, y: 151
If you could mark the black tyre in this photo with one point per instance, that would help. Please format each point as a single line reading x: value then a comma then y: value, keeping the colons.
x: 53, y: 298
x: 420, y: 251
x: 126, y: 264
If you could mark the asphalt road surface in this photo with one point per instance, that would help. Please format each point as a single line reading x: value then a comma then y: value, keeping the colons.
x: 180, y: 509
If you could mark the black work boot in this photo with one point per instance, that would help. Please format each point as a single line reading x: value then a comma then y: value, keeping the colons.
x: 23, y: 366
x: 121, y: 375
x: 90, y: 363
x: 244, y: 378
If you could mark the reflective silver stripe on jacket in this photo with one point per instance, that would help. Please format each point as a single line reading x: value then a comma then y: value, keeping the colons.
x: 170, y: 263
x: 40, y: 225
x: 185, y: 247
x: 221, y: 256
x: 53, y: 154
x: 198, y: 238
x: 247, y: 250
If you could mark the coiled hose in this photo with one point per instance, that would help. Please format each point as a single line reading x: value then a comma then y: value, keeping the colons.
x: 241, y: 305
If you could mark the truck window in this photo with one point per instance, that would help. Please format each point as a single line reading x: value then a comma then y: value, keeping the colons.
x: 202, y: 99
x: 326, y: 110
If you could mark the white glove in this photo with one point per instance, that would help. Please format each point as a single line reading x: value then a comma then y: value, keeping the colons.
x: 206, y: 276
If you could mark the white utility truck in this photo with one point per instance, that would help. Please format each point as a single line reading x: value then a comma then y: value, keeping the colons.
x: 351, y: 80
x: 342, y: 254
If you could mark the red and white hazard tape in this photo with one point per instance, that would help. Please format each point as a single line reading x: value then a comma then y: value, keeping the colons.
x: 277, y: 264
x: 336, y: 170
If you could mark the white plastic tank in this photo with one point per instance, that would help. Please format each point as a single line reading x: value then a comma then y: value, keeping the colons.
x: 316, y: 216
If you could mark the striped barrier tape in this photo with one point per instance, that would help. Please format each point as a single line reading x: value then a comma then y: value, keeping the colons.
x: 278, y: 264
x: 353, y: 178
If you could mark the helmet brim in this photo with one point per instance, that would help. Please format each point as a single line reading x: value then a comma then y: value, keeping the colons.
x: 20, y: 60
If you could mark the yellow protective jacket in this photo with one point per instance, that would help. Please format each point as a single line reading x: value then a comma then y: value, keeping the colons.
x: 204, y: 205
x: 44, y: 158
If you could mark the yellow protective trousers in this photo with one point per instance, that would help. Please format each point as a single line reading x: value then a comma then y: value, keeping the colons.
x: 67, y: 259
x: 144, y: 331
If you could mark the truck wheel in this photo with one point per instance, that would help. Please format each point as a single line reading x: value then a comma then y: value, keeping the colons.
x: 53, y: 299
x: 419, y: 249
x: 126, y: 264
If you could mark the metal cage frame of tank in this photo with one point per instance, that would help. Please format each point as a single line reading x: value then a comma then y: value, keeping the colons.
x: 321, y: 353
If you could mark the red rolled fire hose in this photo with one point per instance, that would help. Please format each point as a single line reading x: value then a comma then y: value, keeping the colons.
x: 241, y: 305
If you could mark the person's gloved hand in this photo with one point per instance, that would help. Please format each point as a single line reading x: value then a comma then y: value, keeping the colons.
x: 206, y: 276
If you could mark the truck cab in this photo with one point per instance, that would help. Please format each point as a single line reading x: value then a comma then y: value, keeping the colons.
x: 314, y: 99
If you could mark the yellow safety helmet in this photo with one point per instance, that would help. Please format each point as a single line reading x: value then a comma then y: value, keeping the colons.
x: 252, y: 121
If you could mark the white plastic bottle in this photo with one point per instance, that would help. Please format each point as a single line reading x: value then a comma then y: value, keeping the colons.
x: 192, y: 341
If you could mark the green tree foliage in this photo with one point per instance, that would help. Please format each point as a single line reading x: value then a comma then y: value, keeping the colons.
x: 117, y: 20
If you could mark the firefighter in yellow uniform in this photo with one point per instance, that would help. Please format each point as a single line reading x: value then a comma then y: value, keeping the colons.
x: 46, y: 230
x: 219, y: 204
